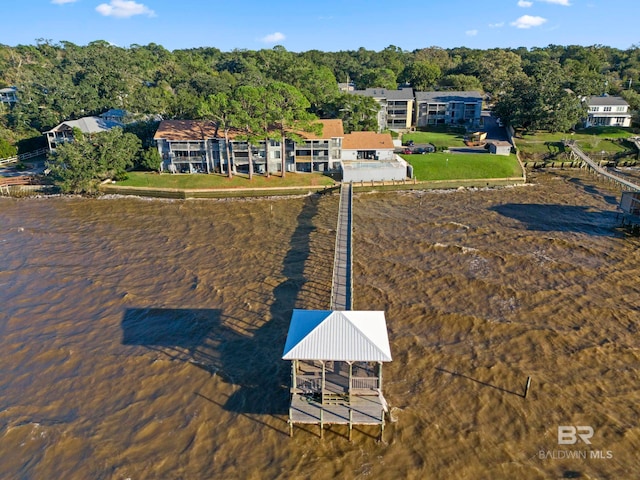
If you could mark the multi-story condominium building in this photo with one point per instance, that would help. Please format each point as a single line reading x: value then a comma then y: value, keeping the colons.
x: 448, y: 108
x: 396, y: 107
x: 197, y: 146
x: 607, y: 110
x: 190, y: 146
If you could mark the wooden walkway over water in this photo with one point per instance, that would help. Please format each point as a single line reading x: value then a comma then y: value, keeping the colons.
x: 342, y: 282
x: 596, y: 168
x: 330, y: 397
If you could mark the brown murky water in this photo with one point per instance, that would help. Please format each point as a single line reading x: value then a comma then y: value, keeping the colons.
x: 142, y: 338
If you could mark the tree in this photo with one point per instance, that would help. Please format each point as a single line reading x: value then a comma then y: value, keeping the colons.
x: 220, y: 109
x: 460, y: 82
x: 6, y: 149
x: 73, y: 166
x: 114, y: 152
x: 288, y: 108
x: 420, y: 75
x: 358, y: 113
x: 248, y: 102
x: 150, y: 159
x: 379, y: 77
x: 540, y: 102
x: 78, y: 166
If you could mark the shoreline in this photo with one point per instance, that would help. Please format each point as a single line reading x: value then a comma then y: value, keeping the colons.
x: 112, y: 191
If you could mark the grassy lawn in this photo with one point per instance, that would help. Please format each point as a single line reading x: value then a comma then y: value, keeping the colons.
x: 595, y: 139
x: 200, y: 181
x: 450, y: 166
x: 438, y: 139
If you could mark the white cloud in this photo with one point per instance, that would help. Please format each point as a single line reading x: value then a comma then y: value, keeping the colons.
x: 524, y: 3
x: 62, y: 2
x: 496, y: 25
x: 471, y: 33
x: 273, y: 38
x: 124, y: 9
x: 564, y: 3
x: 528, y: 21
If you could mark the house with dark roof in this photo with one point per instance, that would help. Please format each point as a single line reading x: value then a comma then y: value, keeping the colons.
x: 396, y: 107
x: 607, y: 110
x: 448, y: 108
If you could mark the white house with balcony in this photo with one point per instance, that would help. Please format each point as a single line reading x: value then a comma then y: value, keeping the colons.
x: 606, y: 110
x: 63, y: 132
x: 9, y: 95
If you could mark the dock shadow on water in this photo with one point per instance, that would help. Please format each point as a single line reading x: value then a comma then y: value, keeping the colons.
x: 233, y: 348
x: 563, y: 218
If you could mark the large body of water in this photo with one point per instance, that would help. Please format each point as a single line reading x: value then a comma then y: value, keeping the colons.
x: 142, y: 338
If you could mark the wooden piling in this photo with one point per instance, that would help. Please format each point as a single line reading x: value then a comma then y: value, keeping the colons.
x: 526, y: 388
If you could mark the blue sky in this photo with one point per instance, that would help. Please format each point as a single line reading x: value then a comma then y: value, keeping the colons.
x: 328, y: 25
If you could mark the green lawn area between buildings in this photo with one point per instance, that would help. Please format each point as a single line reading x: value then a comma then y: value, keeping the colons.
x: 437, y: 139
x: 459, y: 166
x: 204, y: 181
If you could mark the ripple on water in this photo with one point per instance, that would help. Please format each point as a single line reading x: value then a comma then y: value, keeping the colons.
x: 142, y: 338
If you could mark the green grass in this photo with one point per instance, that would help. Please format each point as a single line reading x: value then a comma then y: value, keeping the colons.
x: 439, y: 139
x: 459, y: 166
x: 595, y: 139
x: 201, y: 181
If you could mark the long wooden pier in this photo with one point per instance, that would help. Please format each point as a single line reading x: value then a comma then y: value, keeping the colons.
x: 591, y: 164
x: 324, y: 391
x: 342, y: 281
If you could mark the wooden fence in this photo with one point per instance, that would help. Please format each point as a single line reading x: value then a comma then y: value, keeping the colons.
x: 24, y: 156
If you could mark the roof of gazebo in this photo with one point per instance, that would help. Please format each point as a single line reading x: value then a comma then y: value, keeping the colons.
x: 337, y: 335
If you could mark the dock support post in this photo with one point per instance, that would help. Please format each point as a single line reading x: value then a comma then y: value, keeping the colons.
x: 294, y: 383
x: 526, y: 388
x: 350, y: 382
x: 381, y: 423
x: 322, y: 384
x: 290, y: 422
x: 321, y: 422
x: 350, y: 422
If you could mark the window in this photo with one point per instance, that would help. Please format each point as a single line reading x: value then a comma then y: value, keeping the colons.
x: 606, y: 109
x: 621, y: 109
x: 594, y: 109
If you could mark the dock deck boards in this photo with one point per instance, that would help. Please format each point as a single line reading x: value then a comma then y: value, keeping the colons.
x: 341, y: 297
x: 367, y: 410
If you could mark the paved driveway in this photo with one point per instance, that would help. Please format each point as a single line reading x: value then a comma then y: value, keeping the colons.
x: 494, y: 131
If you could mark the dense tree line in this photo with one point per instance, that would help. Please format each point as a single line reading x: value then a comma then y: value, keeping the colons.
x: 532, y: 88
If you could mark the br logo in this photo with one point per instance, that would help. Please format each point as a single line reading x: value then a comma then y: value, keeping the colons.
x: 568, y: 434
